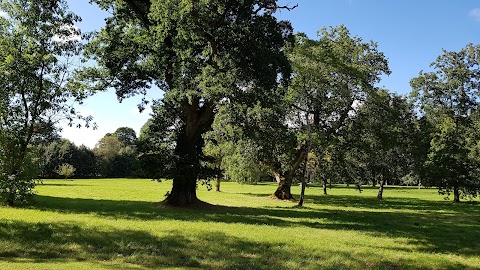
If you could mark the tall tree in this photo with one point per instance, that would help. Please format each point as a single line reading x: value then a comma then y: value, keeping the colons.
x: 199, y: 53
x: 448, y: 97
x: 126, y: 135
x: 38, y: 40
x: 329, y: 76
x: 381, y: 136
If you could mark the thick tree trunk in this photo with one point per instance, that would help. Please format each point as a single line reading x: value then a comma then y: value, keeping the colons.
x: 283, y: 191
x: 380, y: 189
x: 284, y: 180
x: 197, y: 120
x: 456, y: 194
x: 184, y: 190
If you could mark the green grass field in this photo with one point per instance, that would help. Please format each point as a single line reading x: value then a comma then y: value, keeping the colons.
x: 118, y: 224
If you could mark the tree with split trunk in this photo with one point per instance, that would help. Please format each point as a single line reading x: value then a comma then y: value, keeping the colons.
x: 448, y: 98
x: 330, y: 76
x: 256, y: 142
x: 38, y: 42
x: 200, y: 54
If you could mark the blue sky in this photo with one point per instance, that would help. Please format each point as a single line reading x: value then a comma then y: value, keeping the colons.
x: 411, y: 33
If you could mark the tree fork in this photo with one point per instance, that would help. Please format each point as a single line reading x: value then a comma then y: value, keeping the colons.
x: 284, y: 180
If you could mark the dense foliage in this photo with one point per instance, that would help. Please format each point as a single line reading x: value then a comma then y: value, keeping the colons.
x: 244, y: 100
x: 200, y: 53
x: 38, y: 42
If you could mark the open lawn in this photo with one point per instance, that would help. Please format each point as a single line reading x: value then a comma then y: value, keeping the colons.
x: 116, y: 224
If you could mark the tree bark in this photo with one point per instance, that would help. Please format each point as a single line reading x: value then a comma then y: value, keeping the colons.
x: 380, y: 189
x: 217, y: 184
x: 197, y: 119
x: 456, y: 194
x: 283, y: 191
x: 304, y: 181
x: 324, y: 180
x: 284, y: 180
x: 187, y: 169
x: 302, y: 193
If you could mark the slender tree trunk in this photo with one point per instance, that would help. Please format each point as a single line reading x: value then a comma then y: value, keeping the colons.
x: 217, y: 184
x: 456, y: 194
x: 324, y: 180
x: 13, y: 172
x: 197, y: 120
x: 380, y: 190
x: 304, y: 181
x: 302, y: 193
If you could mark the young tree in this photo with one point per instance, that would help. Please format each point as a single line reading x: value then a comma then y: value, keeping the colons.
x: 331, y: 76
x: 200, y: 53
x: 66, y: 170
x: 448, y: 97
x: 38, y: 39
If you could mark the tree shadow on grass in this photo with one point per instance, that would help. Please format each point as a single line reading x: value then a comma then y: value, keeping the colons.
x: 372, y: 202
x: 441, y: 231
x: 63, y: 185
x: 204, y: 250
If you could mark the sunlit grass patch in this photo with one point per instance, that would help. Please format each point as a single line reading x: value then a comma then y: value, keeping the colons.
x: 117, y: 224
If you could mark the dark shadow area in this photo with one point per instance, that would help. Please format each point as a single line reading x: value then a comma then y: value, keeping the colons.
x: 387, y: 203
x: 205, y: 250
x: 442, y: 227
x: 71, y: 184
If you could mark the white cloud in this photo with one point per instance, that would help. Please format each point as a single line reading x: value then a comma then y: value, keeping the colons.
x: 85, y: 136
x: 3, y: 14
x: 475, y: 14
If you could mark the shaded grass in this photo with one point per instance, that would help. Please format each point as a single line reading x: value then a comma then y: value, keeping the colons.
x: 112, y: 224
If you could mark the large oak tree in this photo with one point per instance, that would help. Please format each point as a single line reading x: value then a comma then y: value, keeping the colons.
x: 200, y: 53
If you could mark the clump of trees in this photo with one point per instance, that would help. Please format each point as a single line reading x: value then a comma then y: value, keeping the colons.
x: 244, y: 100
x: 448, y: 98
x: 114, y: 156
